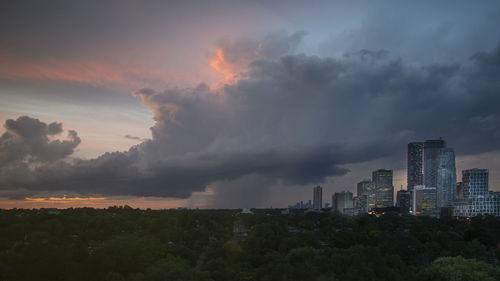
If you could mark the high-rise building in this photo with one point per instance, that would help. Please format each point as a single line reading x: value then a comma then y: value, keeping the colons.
x: 475, y: 182
x: 403, y: 201
x: 432, y: 150
x: 384, y: 190
x: 475, y: 198
x: 446, y: 178
x: 415, y: 164
x: 360, y: 204
x: 342, y: 201
x: 317, y: 198
x: 424, y: 200
x: 366, y: 187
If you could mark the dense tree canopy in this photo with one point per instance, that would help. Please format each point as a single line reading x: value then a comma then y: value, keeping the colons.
x: 121, y: 243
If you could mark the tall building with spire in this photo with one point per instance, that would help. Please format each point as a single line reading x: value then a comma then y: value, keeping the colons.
x: 317, y: 197
x: 415, y: 164
x: 432, y: 150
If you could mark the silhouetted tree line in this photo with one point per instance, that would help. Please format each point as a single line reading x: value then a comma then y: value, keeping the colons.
x: 121, y: 243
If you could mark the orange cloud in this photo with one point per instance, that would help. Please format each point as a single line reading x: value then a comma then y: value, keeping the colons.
x: 231, y: 71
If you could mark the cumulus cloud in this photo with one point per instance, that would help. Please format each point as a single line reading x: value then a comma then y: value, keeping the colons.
x: 291, y: 120
x: 28, y: 140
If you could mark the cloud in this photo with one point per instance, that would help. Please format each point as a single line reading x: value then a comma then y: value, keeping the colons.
x: 28, y: 140
x: 111, y: 75
x: 130, y: 137
x: 290, y: 120
x: 232, y: 58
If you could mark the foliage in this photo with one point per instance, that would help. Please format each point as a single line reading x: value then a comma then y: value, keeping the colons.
x: 121, y: 243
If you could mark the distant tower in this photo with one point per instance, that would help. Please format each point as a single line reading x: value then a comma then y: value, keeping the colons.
x: 317, y: 198
x: 446, y: 178
x: 415, y: 164
x: 432, y: 150
x: 384, y: 190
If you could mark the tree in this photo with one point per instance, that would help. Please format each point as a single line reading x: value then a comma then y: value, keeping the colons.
x: 460, y: 269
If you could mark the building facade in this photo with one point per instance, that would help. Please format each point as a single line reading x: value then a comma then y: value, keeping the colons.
x: 383, y: 188
x: 360, y: 204
x: 475, y: 198
x: 317, y: 197
x: 446, y: 178
x: 424, y: 201
x: 432, y: 150
x: 403, y: 201
x: 415, y: 164
x: 366, y: 187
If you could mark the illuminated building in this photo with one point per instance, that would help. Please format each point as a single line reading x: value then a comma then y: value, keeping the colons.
x: 424, y: 200
x: 366, y: 187
x: 383, y: 188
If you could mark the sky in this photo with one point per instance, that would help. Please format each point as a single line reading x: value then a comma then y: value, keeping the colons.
x: 231, y: 104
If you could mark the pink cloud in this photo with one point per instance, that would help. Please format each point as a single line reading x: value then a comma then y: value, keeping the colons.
x: 125, y: 75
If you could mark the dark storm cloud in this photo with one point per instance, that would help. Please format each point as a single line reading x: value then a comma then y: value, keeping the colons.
x: 293, y: 120
x: 421, y: 31
x: 28, y: 140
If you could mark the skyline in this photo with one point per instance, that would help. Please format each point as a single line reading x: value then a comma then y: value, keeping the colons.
x: 198, y: 105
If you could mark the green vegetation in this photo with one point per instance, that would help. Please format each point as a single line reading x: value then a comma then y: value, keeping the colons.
x: 130, y: 244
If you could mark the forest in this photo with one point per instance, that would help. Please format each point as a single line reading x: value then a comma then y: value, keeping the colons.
x: 122, y: 243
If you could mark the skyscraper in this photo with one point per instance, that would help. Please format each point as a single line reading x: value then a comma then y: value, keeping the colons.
x: 317, y: 198
x: 446, y: 178
x: 415, y: 164
x: 384, y: 190
x: 366, y: 188
x: 432, y: 149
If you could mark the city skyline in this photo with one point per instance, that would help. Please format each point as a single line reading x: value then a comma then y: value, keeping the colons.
x: 444, y: 195
x: 199, y: 105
